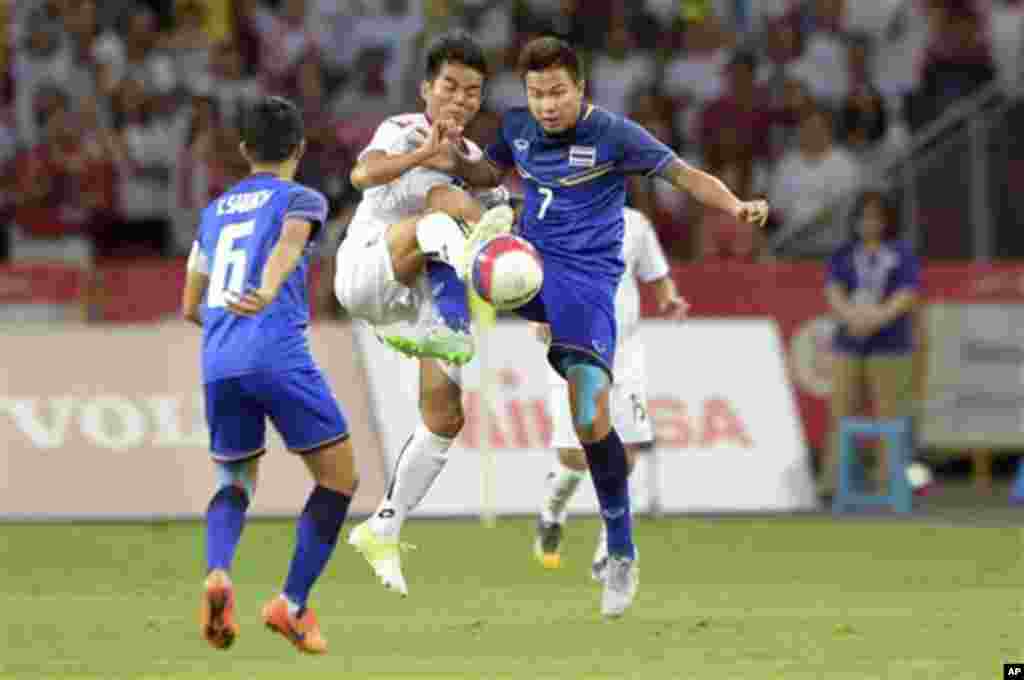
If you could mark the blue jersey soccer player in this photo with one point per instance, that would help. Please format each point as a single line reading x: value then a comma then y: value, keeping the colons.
x: 246, y: 287
x: 574, y: 158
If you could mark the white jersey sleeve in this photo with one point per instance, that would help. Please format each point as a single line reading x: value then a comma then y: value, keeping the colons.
x: 649, y: 261
x: 405, y: 196
x: 645, y: 261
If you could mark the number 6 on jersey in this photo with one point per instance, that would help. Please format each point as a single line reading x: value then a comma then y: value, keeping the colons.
x: 228, y: 255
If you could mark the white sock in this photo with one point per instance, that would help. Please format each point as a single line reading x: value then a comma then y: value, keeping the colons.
x: 559, y: 486
x: 438, y: 235
x: 419, y: 464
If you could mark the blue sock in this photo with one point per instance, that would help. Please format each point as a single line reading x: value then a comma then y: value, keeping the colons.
x: 449, y: 295
x: 610, y: 473
x: 316, y: 536
x: 225, y: 518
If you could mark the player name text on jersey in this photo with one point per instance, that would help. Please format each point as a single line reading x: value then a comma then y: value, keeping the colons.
x: 240, y: 203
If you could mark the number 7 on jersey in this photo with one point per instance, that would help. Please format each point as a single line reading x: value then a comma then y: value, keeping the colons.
x: 548, y: 195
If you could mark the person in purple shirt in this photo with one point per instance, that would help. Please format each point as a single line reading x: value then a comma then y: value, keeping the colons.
x: 872, y: 286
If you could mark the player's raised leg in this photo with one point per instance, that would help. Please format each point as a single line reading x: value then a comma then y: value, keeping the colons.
x: 418, y: 466
x: 225, y: 519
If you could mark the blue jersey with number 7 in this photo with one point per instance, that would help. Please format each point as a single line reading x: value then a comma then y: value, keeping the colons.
x: 237, y: 233
x: 576, y: 184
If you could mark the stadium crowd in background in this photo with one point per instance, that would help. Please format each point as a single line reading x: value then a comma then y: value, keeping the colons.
x: 118, y: 119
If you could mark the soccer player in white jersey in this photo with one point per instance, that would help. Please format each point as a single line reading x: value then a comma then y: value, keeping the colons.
x: 645, y: 262
x: 400, y: 269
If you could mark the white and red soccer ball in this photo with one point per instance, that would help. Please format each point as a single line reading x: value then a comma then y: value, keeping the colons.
x: 507, y: 272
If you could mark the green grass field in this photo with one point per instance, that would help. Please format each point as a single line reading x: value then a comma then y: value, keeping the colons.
x: 792, y: 598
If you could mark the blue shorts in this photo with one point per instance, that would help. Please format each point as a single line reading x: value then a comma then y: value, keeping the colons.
x: 581, y: 313
x: 299, y: 403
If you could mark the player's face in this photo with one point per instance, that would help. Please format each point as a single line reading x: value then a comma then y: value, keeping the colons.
x: 555, y: 98
x: 455, y: 94
x: 872, y: 221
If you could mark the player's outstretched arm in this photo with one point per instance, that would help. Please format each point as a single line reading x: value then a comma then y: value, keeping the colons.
x: 477, y: 172
x: 283, y: 259
x: 711, y: 191
x: 379, y: 167
x: 196, y: 279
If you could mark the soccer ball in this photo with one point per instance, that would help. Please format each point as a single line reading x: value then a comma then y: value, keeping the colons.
x: 507, y: 272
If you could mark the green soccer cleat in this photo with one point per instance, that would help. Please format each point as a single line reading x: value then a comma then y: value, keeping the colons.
x: 438, y: 342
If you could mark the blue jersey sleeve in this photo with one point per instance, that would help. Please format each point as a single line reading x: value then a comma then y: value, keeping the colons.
x: 499, y: 152
x: 908, y: 274
x: 641, y: 151
x: 308, y: 204
x: 840, y: 271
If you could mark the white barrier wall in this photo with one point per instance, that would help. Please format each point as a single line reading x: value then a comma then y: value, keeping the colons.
x: 107, y: 422
x: 725, y: 418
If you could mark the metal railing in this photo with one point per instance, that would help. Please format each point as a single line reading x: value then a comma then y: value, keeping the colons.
x: 951, y: 179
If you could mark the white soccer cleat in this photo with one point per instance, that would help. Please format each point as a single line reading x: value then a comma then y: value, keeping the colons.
x: 497, y: 220
x: 621, y: 579
x: 383, y: 554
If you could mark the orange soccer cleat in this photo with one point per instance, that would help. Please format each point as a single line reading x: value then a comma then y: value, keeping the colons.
x: 217, y: 612
x: 303, y: 632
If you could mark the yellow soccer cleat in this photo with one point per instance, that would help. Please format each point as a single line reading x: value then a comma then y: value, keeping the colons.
x: 384, y: 556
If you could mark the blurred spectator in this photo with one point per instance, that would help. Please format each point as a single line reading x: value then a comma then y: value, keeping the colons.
x: 623, y: 66
x: 144, y: 152
x: 665, y: 205
x: 39, y: 65
x: 743, y: 108
x: 82, y: 31
x: 720, y: 236
x: 695, y: 77
x: 135, y: 56
x: 195, y: 180
x: 283, y: 41
x: 959, y: 63
x: 505, y: 88
x: 1007, y: 30
x: 783, y: 46
x: 393, y: 28
x: 872, y: 286
x: 188, y: 42
x: 865, y: 131
x: 232, y: 88
x: 368, y: 96
x: 823, y: 65
x: 795, y: 104
x: 900, y: 51
x: 810, y: 184
x: 61, y: 187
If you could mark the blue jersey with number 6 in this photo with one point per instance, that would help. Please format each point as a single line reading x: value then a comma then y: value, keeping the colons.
x: 237, y: 233
x: 576, y: 184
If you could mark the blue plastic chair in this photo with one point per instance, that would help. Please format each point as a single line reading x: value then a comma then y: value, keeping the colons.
x: 896, y: 433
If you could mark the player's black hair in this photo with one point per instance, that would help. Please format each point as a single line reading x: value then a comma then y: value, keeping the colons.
x: 272, y: 130
x: 455, y: 47
x: 547, y: 52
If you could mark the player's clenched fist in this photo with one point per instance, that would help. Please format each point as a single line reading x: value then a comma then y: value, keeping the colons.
x: 753, y: 212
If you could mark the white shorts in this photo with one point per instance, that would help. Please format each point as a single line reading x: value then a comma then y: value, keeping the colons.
x: 628, y: 401
x: 365, y: 284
